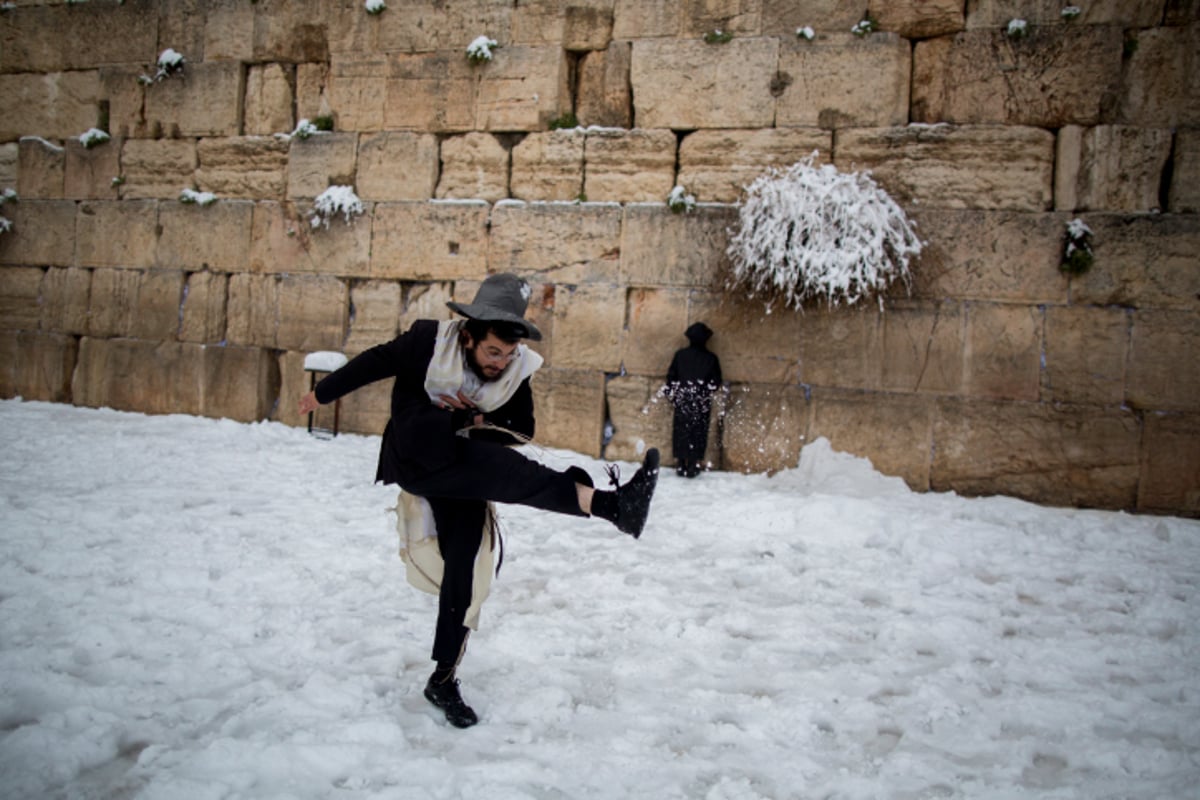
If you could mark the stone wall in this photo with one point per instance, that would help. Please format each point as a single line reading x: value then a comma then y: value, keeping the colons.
x: 996, y: 373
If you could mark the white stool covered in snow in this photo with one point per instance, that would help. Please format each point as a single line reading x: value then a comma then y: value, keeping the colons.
x: 324, y: 362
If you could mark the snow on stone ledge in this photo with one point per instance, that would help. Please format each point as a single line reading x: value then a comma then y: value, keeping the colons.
x: 325, y: 361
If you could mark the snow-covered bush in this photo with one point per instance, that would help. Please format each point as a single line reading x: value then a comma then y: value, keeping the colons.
x: 480, y: 50
x: 7, y: 196
x: 864, y: 26
x: 1077, y: 255
x: 376, y: 6
x: 334, y: 200
x: 718, y: 36
x: 1071, y: 12
x: 92, y: 137
x: 805, y: 33
x: 192, y: 197
x: 1017, y: 29
x: 679, y: 200
x: 169, y: 63
x: 813, y: 232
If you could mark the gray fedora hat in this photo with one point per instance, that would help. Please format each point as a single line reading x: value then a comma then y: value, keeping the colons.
x: 501, y: 298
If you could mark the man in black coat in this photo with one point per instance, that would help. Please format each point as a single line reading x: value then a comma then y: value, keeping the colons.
x: 461, y: 395
x: 693, y: 377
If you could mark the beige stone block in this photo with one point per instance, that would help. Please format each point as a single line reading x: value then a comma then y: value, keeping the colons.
x: 1115, y: 168
x: 121, y: 89
x: 945, y: 166
x: 159, y: 305
x: 923, y: 348
x: 181, y: 26
x: 9, y: 158
x: 292, y: 32
x: 682, y: 84
x: 636, y: 166
x: 1185, y: 176
x: 919, y: 19
x: 351, y: 31
x: 571, y: 243
x: 113, y: 302
x: 356, y: 89
x: 1164, y: 361
x: 990, y: 255
x: 37, y: 366
x: 56, y: 105
x: 764, y: 427
x: 247, y: 167
x: 313, y: 312
x: 41, y: 174
x: 42, y: 233
x: 588, y: 321
x: 604, y: 95
x: 641, y: 419
x: 1003, y: 351
x: 548, y: 166
x: 893, y: 431
x: 269, y: 100
x: 1180, y: 12
x: 229, y: 30
x: 785, y: 16
x: 204, y: 100
x: 840, y: 347
x: 840, y: 80
x: 366, y: 410
x: 239, y: 383
x: 283, y: 239
x: 33, y: 38
x: 737, y: 17
x: 581, y: 25
x: 523, y: 89
x: 117, y: 233
x: 252, y: 310
x: 137, y: 375
x: 1086, y: 351
x: 997, y: 13
x: 428, y: 301
x: 157, y: 167
x: 312, y: 100
x: 474, y: 166
x: 66, y: 295
x: 20, y: 290
x: 91, y: 171
x: 203, y: 315
x: 661, y: 248
x: 755, y: 344
x: 436, y: 92
x: 397, y: 165
x: 569, y: 409
x: 1054, y: 76
x: 430, y: 241
x: 1144, y: 261
x: 1170, y: 464
x: 645, y: 19
x: 424, y: 25
x: 214, y: 237
x: 1160, y: 76
x: 318, y: 162
x: 1050, y: 454
x: 717, y: 166
x: 376, y: 314
x: 657, y: 319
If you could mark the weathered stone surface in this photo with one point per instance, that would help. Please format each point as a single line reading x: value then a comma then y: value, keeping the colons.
x: 113, y: 301
x: 548, y: 166
x: 1054, y: 76
x: 422, y: 25
x: 9, y: 158
x: 1160, y: 88
x: 313, y: 313
x: 428, y: 301
x: 1185, y: 175
x: 121, y: 90
x: 1003, y: 351
x: 435, y: 92
x: 691, y: 18
x: 943, y: 166
x: 839, y: 80
x: 286, y: 32
x: 376, y: 314
x: 37, y: 366
x: 252, y: 310
x: 269, y: 100
x: 312, y: 101
x: 438, y: 241
x: 785, y: 16
x: 1086, y: 352
x: 229, y: 30
x: 159, y: 305
x: 1060, y: 455
x: 42, y: 169
x: 755, y: 345
x: 640, y: 419
x: 117, y: 233
x: 523, y: 89
x: 66, y: 293
x: 661, y: 248
x: 42, y: 233
x: 356, y: 89
x: 203, y: 101
x: 685, y: 84
x: 55, y: 105
x: 764, y: 427
x: 91, y: 171
x: 1164, y: 361
x: 990, y: 255
x: 1170, y: 464
x: 604, y: 95
x: 474, y: 166
x: 204, y: 237
x: 588, y: 320
x: 20, y: 288
x: 157, y: 167
x: 1144, y: 261
x: 894, y: 431
x: 569, y: 407
x: 239, y: 383
x: 1131, y: 13
x: 181, y: 26
x: 321, y: 161
x: 656, y: 321
x: 923, y: 348
x: 203, y: 316
x: 717, y: 166
x: 283, y: 239
x: 581, y: 25
x: 636, y: 166
x: 644, y: 19
x: 397, y: 165
x: 248, y: 167
x: 840, y: 347
x: 1110, y: 168
x: 33, y: 39
x: 918, y: 19
x: 557, y: 242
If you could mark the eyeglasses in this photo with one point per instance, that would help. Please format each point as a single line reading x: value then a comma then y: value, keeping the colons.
x: 495, y: 355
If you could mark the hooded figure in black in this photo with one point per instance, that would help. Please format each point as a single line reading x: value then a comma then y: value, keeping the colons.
x: 694, y: 375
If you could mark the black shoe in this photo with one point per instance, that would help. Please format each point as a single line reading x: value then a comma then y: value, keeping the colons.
x: 633, y: 499
x: 446, y: 697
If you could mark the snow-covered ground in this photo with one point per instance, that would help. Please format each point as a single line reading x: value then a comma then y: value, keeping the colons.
x: 195, y: 608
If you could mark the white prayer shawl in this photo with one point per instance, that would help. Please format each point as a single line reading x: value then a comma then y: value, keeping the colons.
x: 447, y: 373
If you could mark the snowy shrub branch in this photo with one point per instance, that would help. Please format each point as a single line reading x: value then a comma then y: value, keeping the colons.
x: 170, y: 63
x: 813, y: 232
x: 7, y: 196
x: 1077, y: 255
x: 480, y: 49
x: 335, y: 200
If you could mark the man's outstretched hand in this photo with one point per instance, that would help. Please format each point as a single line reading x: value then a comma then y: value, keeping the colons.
x: 308, y: 403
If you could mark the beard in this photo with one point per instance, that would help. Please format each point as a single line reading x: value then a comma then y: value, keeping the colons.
x: 486, y: 373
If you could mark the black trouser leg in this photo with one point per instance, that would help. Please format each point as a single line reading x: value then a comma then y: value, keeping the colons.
x: 459, y: 535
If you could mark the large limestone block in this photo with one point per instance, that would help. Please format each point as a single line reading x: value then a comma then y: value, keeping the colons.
x: 428, y: 301
x: 269, y: 100
x: 683, y: 84
x: 1144, y: 261
x: 1051, y: 454
x: 569, y: 408
x: 91, y: 172
x: 1110, y: 168
x: 690, y: 19
x: 313, y: 312
x: 435, y: 92
x: 117, y: 233
x: 181, y: 26
x: 356, y: 89
x: 425, y: 25
x: 474, y: 166
x: 990, y: 255
x: 1185, y: 177
x: 662, y: 248
x: 1164, y: 361
x: 923, y: 348
x: 604, y: 96
x: 1003, y: 350
x: 588, y: 321
x: 657, y: 319
x: 918, y: 19
x: 640, y: 419
x: 783, y: 17
x: 636, y: 166
x: 247, y: 167
x: 1130, y: 13
x: 1055, y: 76
x: 397, y: 165
x: 717, y: 166
x: 839, y: 80
x: 239, y: 383
x: 229, y: 30
x: 312, y: 100
x: 283, y: 239
x: 764, y: 427
x: 157, y: 167
x: 137, y: 375
x: 121, y: 90
x: 65, y: 295
x: 318, y: 162
x: 205, y: 100
x: 42, y: 233
x: 755, y: 344
x: 839, y: 347
x: 558, y: 243
x: 523, y: 89
x: 42, y: 170
x: 56, y: 105
x: 376, y: 317
x: 113, y: 302
x: 34, y: 38
x: 203, y: 317
x: 289, y: 32
x: 213, y: 237
x: 430, y: 240
x: 945, y: 166
x: 37, y: 366
x: 643, y: 19
x: 252, y: 310
x: 20, y: 288
x: 894, y: 431
x: 580, y: 25
x: 159, y: 305
x: 9, y: 158
x: 548, y: 165
x: 1160, y: 78
x: 1086, y: 353
x: 1170, y: 464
